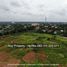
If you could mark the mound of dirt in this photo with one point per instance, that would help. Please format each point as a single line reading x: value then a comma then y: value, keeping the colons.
x: 29, y: 57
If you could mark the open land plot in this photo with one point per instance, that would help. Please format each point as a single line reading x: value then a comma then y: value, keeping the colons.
x: 19, y: 55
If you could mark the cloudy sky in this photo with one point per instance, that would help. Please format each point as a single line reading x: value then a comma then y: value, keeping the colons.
x: 33, y: 10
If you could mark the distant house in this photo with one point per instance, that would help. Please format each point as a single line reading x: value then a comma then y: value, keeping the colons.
x: 52, y: 26
x: 35, y: 24
x: 55, y: 32
x: 46, y: 26
x: 44, y: 31
x: 37, y: 27
x: 25, y: 26
x: 62, y: 31
x: 56, y: 27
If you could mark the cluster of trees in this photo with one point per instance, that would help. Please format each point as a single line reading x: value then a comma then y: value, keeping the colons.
x: 40, y: 28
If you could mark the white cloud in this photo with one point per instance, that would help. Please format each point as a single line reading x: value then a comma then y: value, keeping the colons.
x: 33, y: 10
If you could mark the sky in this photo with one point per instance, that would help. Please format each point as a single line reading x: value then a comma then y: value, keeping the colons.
x: 33, y: 10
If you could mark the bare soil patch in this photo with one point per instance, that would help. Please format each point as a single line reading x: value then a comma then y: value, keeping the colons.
x: 6, y: 59
x: 4, y: 56
x: 30, y: 57
x: 14, y: 62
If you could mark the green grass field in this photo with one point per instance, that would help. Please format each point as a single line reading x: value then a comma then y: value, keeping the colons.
x: 54, y: 55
